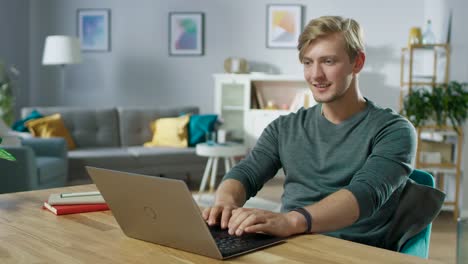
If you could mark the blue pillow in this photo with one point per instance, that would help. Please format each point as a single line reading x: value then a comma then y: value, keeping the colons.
x: 19, y: 125
x: 199, y: 125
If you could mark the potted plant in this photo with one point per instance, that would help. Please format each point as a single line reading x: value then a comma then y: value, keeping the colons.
x: 7, y: 100
x: 447, y: 102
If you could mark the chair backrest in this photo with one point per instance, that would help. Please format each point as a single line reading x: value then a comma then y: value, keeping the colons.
x: 418, y: 245
x: 462, y: 239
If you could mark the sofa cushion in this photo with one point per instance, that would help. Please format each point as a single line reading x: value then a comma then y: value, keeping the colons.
x: 135, y: 122
x: 109, y: 158
x: 176, y: 163
x: 139, y: 151
x: 50, y: 126
x: 165, y: 155
x: 20, y: 124
x: 199, y: 126
x: 50, y: 168
x: 170, y: 132
x: 114, y: 158
x: 89, y: 127
x: 93, y: 153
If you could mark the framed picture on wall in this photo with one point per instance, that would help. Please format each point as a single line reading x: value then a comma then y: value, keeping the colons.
x: 284, y: 25
x: 186, y: 33
x: 94, y: 29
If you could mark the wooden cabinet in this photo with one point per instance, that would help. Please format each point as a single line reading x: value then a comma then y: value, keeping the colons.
x: 439, y: 148
x: 247, y: 103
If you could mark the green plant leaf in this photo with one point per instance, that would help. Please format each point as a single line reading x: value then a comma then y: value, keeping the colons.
x: 5, y: 155
x: 448, y: 102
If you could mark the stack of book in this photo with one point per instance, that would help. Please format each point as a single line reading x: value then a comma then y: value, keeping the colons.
x: 72, y: 203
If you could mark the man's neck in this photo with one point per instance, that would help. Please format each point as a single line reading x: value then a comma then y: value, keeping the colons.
x: 344, y: 107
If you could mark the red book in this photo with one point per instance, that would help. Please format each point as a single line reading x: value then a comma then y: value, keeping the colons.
x: 75, y: 208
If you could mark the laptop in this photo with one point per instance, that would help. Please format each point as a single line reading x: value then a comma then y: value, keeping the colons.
x: 163, y: 211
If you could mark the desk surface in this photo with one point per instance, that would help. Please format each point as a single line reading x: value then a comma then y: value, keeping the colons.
x: 29, y: 234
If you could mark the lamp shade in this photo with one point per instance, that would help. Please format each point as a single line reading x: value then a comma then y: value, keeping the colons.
x: 59, y: 50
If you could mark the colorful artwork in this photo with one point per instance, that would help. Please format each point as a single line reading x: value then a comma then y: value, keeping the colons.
x: 284, y: 25
x: 186, y: 34
x: 93, y: 29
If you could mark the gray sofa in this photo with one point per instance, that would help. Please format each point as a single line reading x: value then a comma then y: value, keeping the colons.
x: 113, y: 138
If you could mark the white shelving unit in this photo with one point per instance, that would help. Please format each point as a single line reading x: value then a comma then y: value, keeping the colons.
x: 447, y: 173
x: 241, y: 99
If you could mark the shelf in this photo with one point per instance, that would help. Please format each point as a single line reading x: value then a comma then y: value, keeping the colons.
x: 426, y: 46
x: 420, y: 76
x: 436, y: 165
x: 439, y: 170
x: 233, y: 108
x: 434, y: 135
x: 423, y: 83
x: 415, y: 58
x: 273, y: 77
x: 267, y: 111
x: 443, y: 130
x: 261, y: 77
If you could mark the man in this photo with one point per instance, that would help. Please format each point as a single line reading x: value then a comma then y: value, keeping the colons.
x: 346, y: 160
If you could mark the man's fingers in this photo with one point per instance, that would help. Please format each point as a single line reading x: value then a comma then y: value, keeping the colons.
x: 214, y: 215
x: 238, y: 216
x: 225, y: 216
x: 255, y: 217
x: 206, y: 213
x: 260, y: 227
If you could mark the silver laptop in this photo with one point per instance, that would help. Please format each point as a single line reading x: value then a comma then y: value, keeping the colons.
x: 162, y: 211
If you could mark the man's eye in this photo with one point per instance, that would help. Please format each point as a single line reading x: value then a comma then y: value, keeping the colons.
x: 329, y: 61
x: 307, y: 63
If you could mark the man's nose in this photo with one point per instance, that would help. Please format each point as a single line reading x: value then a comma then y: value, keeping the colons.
x: 315, y: 72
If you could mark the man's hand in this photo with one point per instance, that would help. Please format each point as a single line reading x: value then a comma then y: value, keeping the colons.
x: 229, y: 196
x: 213, y: 214
x: 245, y: 220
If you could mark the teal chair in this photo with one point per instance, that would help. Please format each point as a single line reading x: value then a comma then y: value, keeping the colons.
x: 418, y: 245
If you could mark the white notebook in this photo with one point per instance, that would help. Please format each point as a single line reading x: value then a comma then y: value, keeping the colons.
x: 76, y: 198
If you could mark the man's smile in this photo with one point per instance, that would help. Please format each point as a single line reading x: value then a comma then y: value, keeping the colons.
x: 322, y: 85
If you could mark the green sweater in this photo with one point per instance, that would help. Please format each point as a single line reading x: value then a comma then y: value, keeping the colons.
x: 369, y: 154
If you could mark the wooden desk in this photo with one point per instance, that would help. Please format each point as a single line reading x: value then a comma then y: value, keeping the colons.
x: 29, y: 234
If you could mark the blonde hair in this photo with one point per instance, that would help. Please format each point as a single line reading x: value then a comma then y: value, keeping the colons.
x: 325, y: 25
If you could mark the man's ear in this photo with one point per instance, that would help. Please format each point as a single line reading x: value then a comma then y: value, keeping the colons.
x: 359, y: 62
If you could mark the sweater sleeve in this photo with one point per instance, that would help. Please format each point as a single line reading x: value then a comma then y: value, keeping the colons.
x: 387, y: 167
x: 261, y: 164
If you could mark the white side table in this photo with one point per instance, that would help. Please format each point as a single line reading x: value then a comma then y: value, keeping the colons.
x: 227, y: 151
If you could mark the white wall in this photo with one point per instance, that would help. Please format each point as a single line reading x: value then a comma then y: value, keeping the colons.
x: 139, y: 71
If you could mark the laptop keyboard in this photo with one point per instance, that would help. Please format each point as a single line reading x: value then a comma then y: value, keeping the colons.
x: 231, y: 245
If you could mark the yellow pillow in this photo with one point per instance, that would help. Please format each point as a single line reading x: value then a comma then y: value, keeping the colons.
x: 50, y: 126
x: 171, y: 132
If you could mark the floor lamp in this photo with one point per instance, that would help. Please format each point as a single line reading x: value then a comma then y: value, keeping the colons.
x: 61, y: 50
